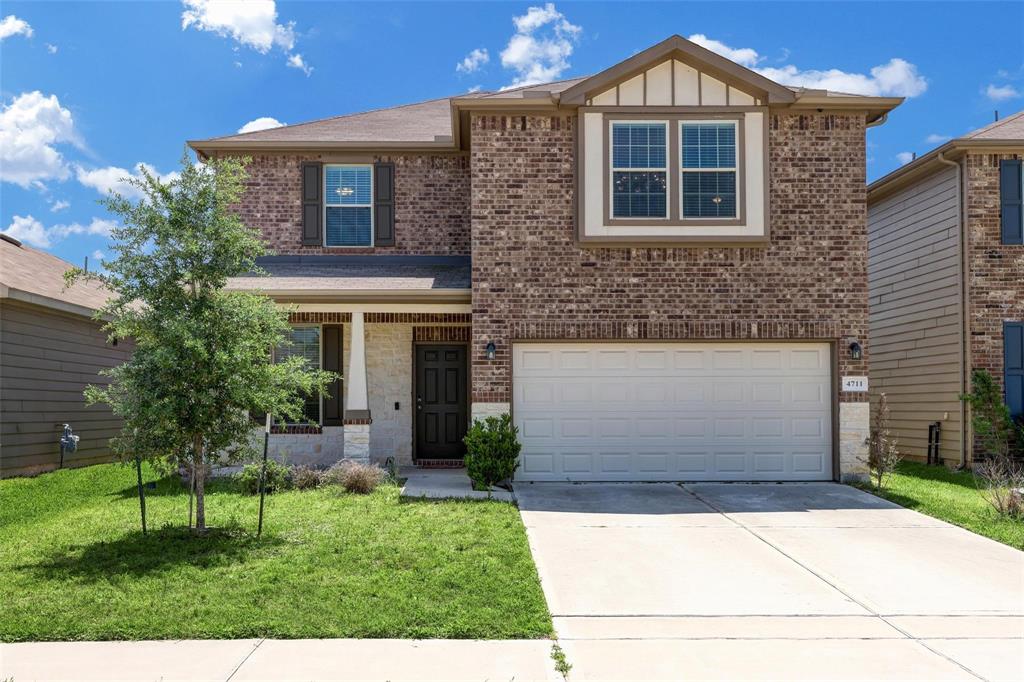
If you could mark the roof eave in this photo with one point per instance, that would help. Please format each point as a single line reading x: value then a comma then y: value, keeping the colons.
x: 365, y: 295
x: 203, y: 147
x: 927, y: 163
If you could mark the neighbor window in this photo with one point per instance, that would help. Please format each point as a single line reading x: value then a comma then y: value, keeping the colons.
x: 639, y: 170
x: 348, y: 205
x: 305, y: 343
x: 708, y: 173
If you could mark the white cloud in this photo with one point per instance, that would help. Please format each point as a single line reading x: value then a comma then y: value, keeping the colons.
x: 296, y: 61
x: 261, y: 123
x: 540, y: 49
x: 12, y: 26
x: 473, y: 61
x: 98, y: 255
x: 1001, y: 93
x: 252, y: 23
x: 905, y: 157
x: 30, y: 128
x: 114, y: 178
x: 935, y: 138
x: 895, y: 78
x: 29, y: 230
x: 51, y: 48
x: 475, y: 88
x: 59, y: 205
x: 744, y: 55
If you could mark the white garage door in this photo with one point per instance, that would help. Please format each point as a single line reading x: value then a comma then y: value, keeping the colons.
x: 673, y: 411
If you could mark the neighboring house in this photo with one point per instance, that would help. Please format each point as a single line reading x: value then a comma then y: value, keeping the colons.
x: 660, y: 271
x: 946, y: 273
x: 50, y: 350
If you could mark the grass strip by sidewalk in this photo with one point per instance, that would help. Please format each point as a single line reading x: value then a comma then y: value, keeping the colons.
x: 74, y: 564
x: 952, y: 496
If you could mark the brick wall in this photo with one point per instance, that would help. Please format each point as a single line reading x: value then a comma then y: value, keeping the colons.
x: 431, y: 205
x: 996, y: 270
x: 530, y: 280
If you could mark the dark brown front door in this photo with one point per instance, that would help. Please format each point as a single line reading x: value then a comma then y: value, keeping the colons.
x: 440, y: 402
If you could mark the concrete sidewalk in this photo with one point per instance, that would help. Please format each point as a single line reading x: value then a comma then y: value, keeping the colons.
x: 279, y: 660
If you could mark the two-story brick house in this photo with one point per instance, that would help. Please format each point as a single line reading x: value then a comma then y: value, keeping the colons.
x: 660, y: 271
x: 946, y: 264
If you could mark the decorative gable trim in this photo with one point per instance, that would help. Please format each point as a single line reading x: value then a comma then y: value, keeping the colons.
x: 724, y: 72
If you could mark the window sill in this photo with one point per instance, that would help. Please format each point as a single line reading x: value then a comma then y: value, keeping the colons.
x: 307, y: 429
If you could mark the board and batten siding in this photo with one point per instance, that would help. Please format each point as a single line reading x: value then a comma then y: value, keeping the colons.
x: 915, y: 303
x: 47, y: 358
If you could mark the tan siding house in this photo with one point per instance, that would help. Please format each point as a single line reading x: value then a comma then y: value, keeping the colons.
x: 50, y: 350
x: 946, y: 283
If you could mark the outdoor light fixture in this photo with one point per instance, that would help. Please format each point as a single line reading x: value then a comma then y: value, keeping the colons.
x: 490, y: 350
x: 855, y: 351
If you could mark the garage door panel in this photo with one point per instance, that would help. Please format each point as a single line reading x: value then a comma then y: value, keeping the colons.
x: 673, y: 411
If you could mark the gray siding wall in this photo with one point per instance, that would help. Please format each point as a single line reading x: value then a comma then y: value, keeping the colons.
x: 46, y: 360
x: 913, y: 280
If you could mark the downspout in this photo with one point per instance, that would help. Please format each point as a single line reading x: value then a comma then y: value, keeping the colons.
x: 961, y: 270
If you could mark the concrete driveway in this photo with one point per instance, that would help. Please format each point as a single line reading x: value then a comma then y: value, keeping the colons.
x: 770, y: 581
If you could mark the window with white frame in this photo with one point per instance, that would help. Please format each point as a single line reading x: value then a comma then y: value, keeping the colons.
x: 305, y: 343
x: 708, y: 172
x: 639, y: 169
x: 348, y: 205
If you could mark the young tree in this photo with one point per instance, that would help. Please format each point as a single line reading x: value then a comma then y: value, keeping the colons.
x: 1000, y: 465
x: 883, y: 447
x: 201, y: 362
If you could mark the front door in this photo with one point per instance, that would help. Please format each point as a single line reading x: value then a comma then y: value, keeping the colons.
x: 440, y: 402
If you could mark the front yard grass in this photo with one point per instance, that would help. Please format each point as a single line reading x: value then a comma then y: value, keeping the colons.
x: 74, y: 564
x: 951, y: 496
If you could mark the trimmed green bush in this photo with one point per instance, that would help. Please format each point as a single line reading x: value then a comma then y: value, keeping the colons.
x: 278, y: 477
x: 492, y: 451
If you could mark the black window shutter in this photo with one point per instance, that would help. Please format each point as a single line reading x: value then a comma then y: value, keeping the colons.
x: 334, y: 408
x: 1010, y: 202
x: 312, y: 204
x: 384, y: 204
x: 1013, y: 367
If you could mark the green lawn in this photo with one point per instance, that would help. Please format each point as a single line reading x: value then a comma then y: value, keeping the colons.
x: 74, y: 564
x: 951, y: 496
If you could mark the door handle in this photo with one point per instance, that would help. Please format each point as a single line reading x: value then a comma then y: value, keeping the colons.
x: 419, y: 402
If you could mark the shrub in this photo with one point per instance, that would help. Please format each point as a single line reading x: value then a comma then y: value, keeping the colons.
x: 305, y: 477
x: 355, y: 477
x: 278, y: 477
x: 1000, y: 469
x: 492, y: 451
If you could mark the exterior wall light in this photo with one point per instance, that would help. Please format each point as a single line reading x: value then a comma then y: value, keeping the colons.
x: 856, y: 352
x: 490, y: 350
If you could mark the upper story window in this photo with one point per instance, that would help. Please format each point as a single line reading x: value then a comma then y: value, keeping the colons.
x: 639, y: 169
x: 708, y: 169
x: 348, y: 205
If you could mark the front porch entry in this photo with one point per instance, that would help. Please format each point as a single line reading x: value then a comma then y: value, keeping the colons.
x: 441, y: 391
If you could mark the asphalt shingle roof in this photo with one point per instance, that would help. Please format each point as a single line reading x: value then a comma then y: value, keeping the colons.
x: 41, y: 274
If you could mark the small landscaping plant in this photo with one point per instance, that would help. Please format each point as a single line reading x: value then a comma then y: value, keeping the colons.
x: 883, y: 451
x: 305, y: 477
x: 354, y: 477
x: 1000, y: 468
x: 278, y: 477
x: 492, y: 451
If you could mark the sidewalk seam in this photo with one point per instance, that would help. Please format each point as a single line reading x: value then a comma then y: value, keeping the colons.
x: 244, y: 659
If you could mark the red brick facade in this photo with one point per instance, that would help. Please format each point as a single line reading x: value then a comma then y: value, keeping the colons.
x: 531, y: 280
x: 431, y: 204
x: 996, y: 270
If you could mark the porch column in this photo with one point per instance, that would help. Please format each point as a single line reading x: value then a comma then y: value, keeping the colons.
x: 357, y: 404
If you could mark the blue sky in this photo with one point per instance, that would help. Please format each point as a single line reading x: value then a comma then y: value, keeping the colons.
x: 90, y: 90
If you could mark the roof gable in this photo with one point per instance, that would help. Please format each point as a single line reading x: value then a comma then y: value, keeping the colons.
x: 692, y: 56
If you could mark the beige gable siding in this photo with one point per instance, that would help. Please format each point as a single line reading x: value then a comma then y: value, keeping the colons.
x: 46, y: 360
x: 673, y: 82
x: 913, y: 277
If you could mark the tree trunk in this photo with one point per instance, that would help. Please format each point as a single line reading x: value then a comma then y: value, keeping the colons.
x: 199, y: 469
